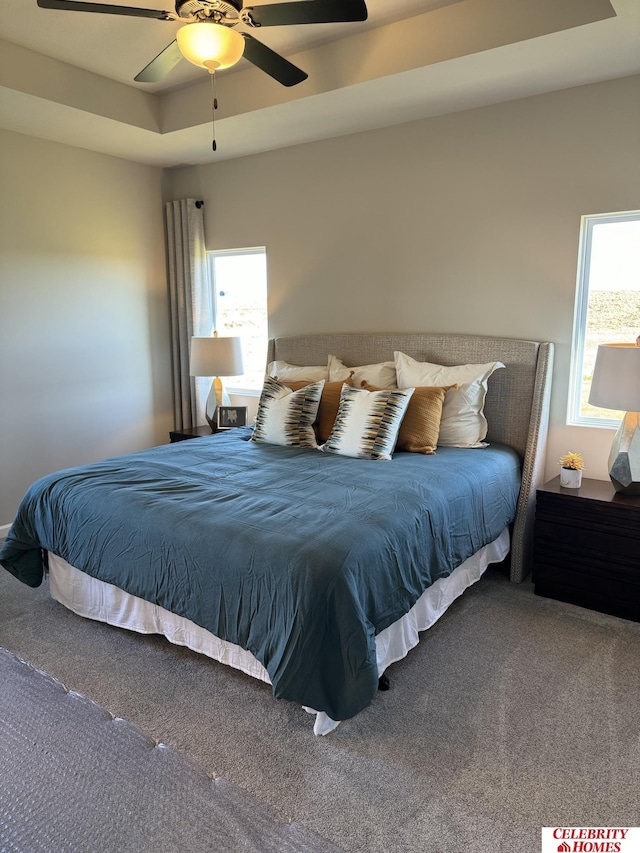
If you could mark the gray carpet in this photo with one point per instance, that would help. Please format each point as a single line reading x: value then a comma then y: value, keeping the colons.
x: 515, y: 712
x: 74, y: 778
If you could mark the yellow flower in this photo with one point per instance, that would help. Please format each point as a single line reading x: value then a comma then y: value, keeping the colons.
x: 572, y: 460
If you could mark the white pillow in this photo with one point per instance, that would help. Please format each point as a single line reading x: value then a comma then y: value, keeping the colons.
x: 463, y: 423
x: 367, y: 422
x: 283, y: 370
x: 383, y: 375
x: 286, y: 417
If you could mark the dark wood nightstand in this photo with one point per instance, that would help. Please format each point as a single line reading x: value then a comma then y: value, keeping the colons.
x: 587, y: 547
x: 189, y: 432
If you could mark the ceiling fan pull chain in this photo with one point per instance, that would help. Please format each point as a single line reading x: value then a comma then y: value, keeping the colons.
x: 214, y: 107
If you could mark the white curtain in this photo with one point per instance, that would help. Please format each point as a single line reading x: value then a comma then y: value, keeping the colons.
x: 190, y: 304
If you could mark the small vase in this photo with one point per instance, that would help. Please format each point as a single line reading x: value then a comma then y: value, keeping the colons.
x: 570, y: 478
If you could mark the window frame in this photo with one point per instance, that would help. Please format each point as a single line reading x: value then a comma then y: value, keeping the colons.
x: 587, y: 224
x: 210, y: 255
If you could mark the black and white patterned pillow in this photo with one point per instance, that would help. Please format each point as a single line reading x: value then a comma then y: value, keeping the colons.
x: 286, y: 417
x: 367, y: 422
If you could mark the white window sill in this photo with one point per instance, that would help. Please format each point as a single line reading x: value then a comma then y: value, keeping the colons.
x: 242, y: 392
x: 604, y: 423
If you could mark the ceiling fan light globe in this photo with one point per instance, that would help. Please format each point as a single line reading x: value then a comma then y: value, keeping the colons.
x: 210, y: 45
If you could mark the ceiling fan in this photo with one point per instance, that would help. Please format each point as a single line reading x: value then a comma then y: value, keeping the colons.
x: 208, y: 38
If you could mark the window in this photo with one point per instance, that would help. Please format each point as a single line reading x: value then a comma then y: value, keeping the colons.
x: 607, y: 304
x: 238, y: 280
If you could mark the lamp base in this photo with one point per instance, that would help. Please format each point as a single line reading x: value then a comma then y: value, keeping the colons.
x: 624, y: 459
x: 217, y: 397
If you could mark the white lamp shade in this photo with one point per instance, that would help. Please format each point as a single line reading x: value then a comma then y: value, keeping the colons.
x: 616, y: 378
x: 210, y: 45
x: 216, y: 357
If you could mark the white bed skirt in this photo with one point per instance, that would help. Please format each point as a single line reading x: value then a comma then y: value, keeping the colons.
x: 95, y: 599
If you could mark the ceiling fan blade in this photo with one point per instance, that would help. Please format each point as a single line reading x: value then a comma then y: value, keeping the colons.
x: 308, y: 12
x: 272, y: 63
x: 77, y: 6
x: 159, y: 67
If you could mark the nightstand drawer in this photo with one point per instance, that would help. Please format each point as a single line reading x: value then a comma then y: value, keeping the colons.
x: 590, y: 515
x: 612, y: 601
x: 593, y: 545
x: 582, y: 570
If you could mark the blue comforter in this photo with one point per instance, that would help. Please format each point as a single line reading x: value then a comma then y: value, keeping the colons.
x: 298, y: 556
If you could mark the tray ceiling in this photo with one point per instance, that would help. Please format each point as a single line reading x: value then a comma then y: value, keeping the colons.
x: 68, y: 76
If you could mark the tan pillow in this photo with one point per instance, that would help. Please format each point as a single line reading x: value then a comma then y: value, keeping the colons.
x: 420, y: 426
x: 329, y: 403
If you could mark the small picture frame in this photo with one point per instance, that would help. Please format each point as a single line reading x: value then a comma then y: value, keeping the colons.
x: 231, y: 416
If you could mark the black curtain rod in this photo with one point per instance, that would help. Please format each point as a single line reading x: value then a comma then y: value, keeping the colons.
x: 199, y: 204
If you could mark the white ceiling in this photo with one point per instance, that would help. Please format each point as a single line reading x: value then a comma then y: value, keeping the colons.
x: 119, y: 47
x: 68, y: 76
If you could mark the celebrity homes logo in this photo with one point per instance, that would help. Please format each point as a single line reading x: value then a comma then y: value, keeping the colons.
x: 590, y: 839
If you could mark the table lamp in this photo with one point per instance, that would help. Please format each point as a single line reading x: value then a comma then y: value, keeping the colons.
x: 616, y: 385
x: 215, y: 356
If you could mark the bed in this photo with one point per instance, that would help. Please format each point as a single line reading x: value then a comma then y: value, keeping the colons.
x: 311, y: 571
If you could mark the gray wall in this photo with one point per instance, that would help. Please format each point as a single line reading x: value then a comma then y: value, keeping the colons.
x: 463, y: 223
x: 85, y: 370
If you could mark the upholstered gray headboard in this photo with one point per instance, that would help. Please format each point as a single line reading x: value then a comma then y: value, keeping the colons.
x: 517, y: 404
